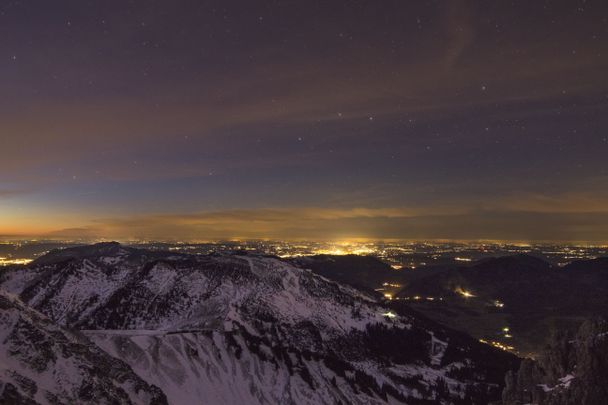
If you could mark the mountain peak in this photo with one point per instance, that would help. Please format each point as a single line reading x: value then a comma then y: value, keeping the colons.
x: 81, y: 252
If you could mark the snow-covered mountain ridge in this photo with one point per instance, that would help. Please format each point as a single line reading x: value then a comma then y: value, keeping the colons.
x: 254, y: 329
x: 41, y: 362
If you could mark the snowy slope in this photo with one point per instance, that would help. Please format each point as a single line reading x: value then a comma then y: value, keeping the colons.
x: 250, y: 329
x: 43, y: 363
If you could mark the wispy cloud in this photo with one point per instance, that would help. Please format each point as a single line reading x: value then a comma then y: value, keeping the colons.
x: 8, y: 193
x: 579, y: 202
x: 535, y: 218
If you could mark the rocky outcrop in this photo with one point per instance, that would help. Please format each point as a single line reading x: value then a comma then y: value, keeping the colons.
x: 42, y: 363
x: 572, y: 370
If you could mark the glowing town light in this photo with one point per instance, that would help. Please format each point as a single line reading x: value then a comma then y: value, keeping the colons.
x: 388, y: 296
x: 7, y: 261
x: 464, y: 293
x: 498, y: 345
x: 389, y: 314
x: 387, y: 284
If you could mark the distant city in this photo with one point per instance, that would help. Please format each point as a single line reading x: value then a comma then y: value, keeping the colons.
x: 399, y: 255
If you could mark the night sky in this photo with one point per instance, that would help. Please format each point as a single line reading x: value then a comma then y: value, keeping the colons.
x: 304, y: 119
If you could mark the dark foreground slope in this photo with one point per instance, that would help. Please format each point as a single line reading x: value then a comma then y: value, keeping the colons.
x: 253, y: 329
x: 571, y: 370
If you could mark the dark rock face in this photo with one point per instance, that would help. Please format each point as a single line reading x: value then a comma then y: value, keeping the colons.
x: 44, y: 363
x: 572, y: 370
x: 10, y: 394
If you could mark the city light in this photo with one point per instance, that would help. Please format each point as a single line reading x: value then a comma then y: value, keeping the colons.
x: 498, y: 345
x: 464, y: 293
x: 386, y: 284
x: 7, y: 262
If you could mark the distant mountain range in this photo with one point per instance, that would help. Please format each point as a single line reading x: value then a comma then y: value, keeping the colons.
x: 85, y: 323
